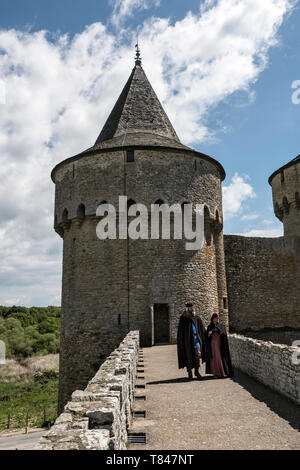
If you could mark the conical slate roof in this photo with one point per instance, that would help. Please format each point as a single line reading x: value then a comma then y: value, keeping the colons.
x: 138, y: 120
x: 137, y: 110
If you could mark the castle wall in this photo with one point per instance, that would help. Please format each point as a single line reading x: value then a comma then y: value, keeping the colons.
x: 275, y: 365
x: 286, y: 198
x: 93, y: 274
x: 263, y: 278
x: 109, y: 286
x: 99, y: 417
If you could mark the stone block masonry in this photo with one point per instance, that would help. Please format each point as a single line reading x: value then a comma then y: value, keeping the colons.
x: 112, y: 286
x: 109, y: 285
x: 98, y: 417
x: 268, y: 363
x: 263, y: 278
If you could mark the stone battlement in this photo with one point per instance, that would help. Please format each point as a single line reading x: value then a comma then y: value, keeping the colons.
x: 269, y: 363
x: 98, y: 417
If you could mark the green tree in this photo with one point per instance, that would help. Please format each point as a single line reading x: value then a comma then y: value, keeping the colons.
x: 29, y: 331
x: 49, y: 325
x: 24, y: 318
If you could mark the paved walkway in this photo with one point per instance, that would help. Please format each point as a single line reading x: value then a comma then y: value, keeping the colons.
x: 21, y: 441
x: 236, y: 413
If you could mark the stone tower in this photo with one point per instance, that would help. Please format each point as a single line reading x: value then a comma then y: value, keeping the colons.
x: 285, y: 184
x: 112, y: 286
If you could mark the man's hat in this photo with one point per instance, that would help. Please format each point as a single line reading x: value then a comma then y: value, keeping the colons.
x: 189, y: 304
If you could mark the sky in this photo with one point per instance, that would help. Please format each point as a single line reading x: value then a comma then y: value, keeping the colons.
x: 223, y: 70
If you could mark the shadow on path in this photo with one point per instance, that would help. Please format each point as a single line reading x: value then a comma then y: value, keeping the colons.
x: 181, y: 380
x: 280, y: 405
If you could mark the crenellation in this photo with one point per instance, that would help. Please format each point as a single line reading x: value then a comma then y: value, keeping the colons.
x: 285, y: 184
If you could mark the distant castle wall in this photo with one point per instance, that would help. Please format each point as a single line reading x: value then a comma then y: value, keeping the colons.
x: 98, y: 417
x: 275, y: 365
x: 263, y: 279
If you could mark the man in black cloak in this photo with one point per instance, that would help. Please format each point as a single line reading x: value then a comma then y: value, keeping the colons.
x: 190, y: 341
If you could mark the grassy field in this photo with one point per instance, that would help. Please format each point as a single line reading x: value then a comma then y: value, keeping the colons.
x: 28, y: 387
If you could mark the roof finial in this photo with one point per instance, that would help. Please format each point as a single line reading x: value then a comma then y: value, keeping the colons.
x: 138, y: 59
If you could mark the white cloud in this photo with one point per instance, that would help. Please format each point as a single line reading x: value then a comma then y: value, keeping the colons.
x: 269, y: 233
x: 250, y: 216
x: 2, y: 93
x: 51, y: 112
x: 201, y: 60
x: 124, y: 9
x: 268, y: 222
x: 235, y: 195
x: 59, y: 92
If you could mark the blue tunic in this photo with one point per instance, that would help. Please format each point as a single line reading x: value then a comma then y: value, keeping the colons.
x: 196, y: 341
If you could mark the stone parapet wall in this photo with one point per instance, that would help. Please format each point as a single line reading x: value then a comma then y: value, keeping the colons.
x: 98, y: 417
x: 269, y: 363
x: 277, y: 336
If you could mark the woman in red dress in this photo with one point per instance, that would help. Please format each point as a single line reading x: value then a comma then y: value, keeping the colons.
x: 218, y: 361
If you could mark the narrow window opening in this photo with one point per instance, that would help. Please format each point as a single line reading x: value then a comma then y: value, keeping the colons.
x: 101, y: 203
x: 130, y: 203
x: 129, y: 156
x: 159, y: 202
x: 225, y: 303
x: 65, y: 216
x: 81, y: 211
x: 297, y: 198
x: 278, y: 211
x: 207, y: 226
x: 286, y: 205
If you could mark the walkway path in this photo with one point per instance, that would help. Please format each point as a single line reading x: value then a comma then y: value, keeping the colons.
x: 21, y: 441
x: 236, y: 413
